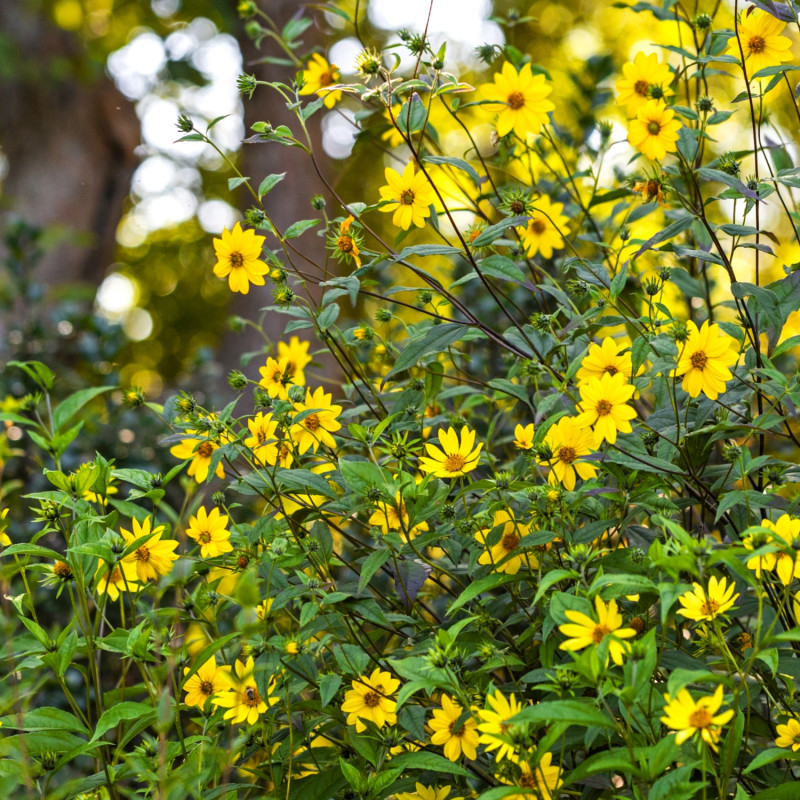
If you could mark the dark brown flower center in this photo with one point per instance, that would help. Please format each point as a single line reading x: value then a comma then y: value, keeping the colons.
x: 641, y: 87
x: 312, y: 422
x: 345, y: 244
x: 237, y: 260
x: 611, y: 369
x: 454, y: 462
x: 205, y: 450
x: 206, y: 687
x: 699, y: 360
x: 653, y: 128
x: 261, y: 436
x: 539, y: 225
x: 516, y: 100
x: 700, y: 718
x: 372, y: 699
x: 509, y: 541
x: 757, y: 44
x: 204, y: 537
x: 599, y: 633
x: 527, y: 780
x: 603, y: 408
x: 566, y: 455
x: 407, y: 197
x: 517, y: 206
x: 142, y: 554
x: 62, y: 570
x: 709, y: 608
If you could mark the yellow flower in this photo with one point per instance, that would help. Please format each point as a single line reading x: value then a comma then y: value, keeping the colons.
x: 262, y: 609
x: 640, y: 77
x: 200, y: 451
x: 318, y: 75
x: 242, y: 698
x: 605, y: 359
x: 154, y: 557
x: 543, y: 232
x: 652, y: 189
x: 523, y: 97
x: 705, y: 359
x: 394, y: 517
x: 789, y: 734
x: 371, y: 699
x: 787, y: 530
x: 267, y: 447
x: 409, y: 194
x: 239, y: 258
x: 316, y: 428
x: 296, y: 354
x: 464, y: 738
x: 495, y: 728
x: 122, y: 578
x: 207, y: 681
x: 762, y: 44
x: 277, y: 376
x: 687, y: 716
x: 523, y: 437
x: 500, y: 554
x: 654, y: 131
x: 428, y: 793
x: 567, y: 443
x: 584, y: 631
x: 456, y: 457
x: 700, y: 604
x: 210, y: 531
x: 544, y: 778
x: 346, y: 244
x: 5, y: 539
x: 604, y: 405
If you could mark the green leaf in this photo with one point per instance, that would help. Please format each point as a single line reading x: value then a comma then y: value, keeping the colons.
x: 427, y: 250
x: 299, y: 228
x: 618, y: 281
x: 432, y: 762
x: 374, y: 562
x: 46, y: 718
x: 495, y: 231
x: 269, y: 183
x: 436, y: 339
x: 235, y: 183
x: 769, y: 756
x: 120, y: 713
x: 778, y: 69
x: 458, y: 163
x: 328, y: 316
x: 493, y: 581
x: 207, y: 652
x: 30, y: 550
x: 411, y: 116
x: 503, y: 268
x: 676, y: 228
x: 65, y: 410
x: 571, y: 712
x: 328, y: 686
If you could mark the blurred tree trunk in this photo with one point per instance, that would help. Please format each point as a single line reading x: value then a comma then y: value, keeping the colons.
x: 69, y: 138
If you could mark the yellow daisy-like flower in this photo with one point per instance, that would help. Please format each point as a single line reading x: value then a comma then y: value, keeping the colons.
x: 263, y: 609
x: 456, y: 740
x: 155, y: 556
x: 495, y: 728
x: 762, y: 44
x: 785, y: 564
x: 523, y: 437
x: 688, y: 717
x: 567, y: 443
x: 242, y: 698
x: 394, y: 517
x: 455, y: 458
x: 296, y: 354
x: 371, y: 698
x: 605, y: 359
x: 789, y: 734
x: 200, y: 451
x: 544, y: 778
x: 654, y: 131
x: 319, y: 75
x: 604, y: 406
x: 705, y: 360
x: 206, y: 682
x: 5, y: 539
x: 651, y: 190
x: 701, y: 604
x: 277, y: 377
x: 267, y: 447
x: 523, y: 96
x: 501, y: 553
x: 239, y: 258
x: 316, y: 428
x: 346, y: 244
x: 543, y: 232
x: 585, y: 631
x: 642, y: 77
x: 122, y: 578
x: 428, y: 793
x: 210, y: 531
x: 409, y: 196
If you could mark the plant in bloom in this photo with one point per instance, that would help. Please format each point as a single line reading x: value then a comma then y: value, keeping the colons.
x: 705, y: 360
x: 210, y: 679
x: 371, y: 699
x: 318, y: 76
x: 112, y: 580
x: 605, y: 358
x: 5, y: 539
x: 651, y: 190
x: 789, y: 734
x: 654, y: 131
x: 456, y: 738
x: 523, y: 436
x: 277, y: 377
x: 759, y: 34
x: 543, y: 233
x: 296, y: 354
x: 239, y: 258
x: 524, y: 99
x: 544, y: 779
x: 200, y: 451
x: 501, y: 554
x: 316, y: 426
x: 583, y: 631
x: 394, y: 517
x: 785, y: 563
x: 267, y: 447
x: 705, y: 604
x: 565, y: 443
x: 345, y: 243
x: 604, y: 407
x: 688, y: 716
x: 408, y: 196
x: 210, y: 531
x: 643, y: 78
x: 155, y: 556
x: 428, y: 793
x: 495, y: 727
x: 457, y: 456
x: 241, y: 697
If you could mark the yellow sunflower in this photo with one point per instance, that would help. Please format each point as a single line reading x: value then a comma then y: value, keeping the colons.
x: 239, y: 258
x: 210, y: 531
x: 296, y: 354
x: 495, y: 728
x: 500, y: 554
x: 456, y: 457
x: 152, y: 558
x: 315, y: 428
x: 200, y: 451
x: 785, y: 562
x: 267, y: 447
x: 706, y: 604
x: 604, y: 407
x: 319, y: 75
x: 603, y: 359
x: 206, y: 682
x: 789, y: 734
x: 566, y: 443
x: 762, y: 44
x: 112, y: 580
x: 523, y: 96
x: 371, y: 699
x: 544, y: 779
x: 585, y: 631
x: 643, y: 79
x: 242, y: 698
x: 409, y: 196
x: 543, y: 231
x: 394, y: 517
x: 523, y: 437
x: 456, y: 740
x: 5, y: 539
x: 705, y: 360
x: 654, y: 131
x: 277, y: 377
x: 688, y: 717
x: 428, y: 793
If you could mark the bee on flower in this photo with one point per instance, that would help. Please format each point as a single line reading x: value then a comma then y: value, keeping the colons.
x: 242, y: 697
